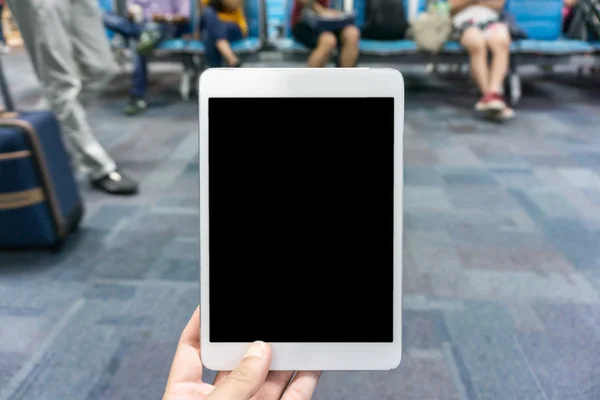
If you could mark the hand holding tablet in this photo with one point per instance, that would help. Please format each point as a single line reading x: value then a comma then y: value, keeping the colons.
x: 250, y: 379
x: 301, y: 217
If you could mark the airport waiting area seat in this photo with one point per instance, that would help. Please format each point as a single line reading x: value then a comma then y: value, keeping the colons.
x: 250, y: 45
x: 269, y: 29
x: 541, y: 20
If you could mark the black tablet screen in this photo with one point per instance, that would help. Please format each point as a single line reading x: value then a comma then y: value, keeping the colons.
x: 301, y: 219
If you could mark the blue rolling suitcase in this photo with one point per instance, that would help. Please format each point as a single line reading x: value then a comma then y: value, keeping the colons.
x: 39, y: 199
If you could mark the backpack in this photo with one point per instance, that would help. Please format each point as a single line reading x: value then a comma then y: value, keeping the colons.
x: 585, y: 21
x: 591, y: 12
x: 385, y: 20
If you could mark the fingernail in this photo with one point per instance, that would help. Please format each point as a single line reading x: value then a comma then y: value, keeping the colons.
x: 256, y: 349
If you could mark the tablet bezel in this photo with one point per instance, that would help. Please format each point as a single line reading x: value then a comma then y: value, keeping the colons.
x: 303, y: 82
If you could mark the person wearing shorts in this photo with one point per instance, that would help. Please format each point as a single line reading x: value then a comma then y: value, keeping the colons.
x: 322, y: 44
x: 479, y: 29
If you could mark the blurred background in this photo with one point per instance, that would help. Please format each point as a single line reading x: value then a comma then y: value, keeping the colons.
x: 502, y: 222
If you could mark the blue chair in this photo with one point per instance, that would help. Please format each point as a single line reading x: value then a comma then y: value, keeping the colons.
x: 276, y: 19
x: 542, y: 21
x: 253, y: 43
x: 286, y: 44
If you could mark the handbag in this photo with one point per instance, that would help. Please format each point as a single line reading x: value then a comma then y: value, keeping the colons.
x: 432, y: 29
x: 325, y: 23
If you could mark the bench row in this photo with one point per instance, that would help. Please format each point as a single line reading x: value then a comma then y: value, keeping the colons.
x: 541, y: 20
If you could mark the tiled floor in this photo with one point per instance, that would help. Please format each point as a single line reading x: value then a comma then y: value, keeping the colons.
x: 501, y: 257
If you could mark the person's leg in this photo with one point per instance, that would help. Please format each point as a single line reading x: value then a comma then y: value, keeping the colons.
x: 44, y: 28
x: 2, y: 38
x: 91, y: 45
x: 121, y: 25
x: 138, y: 103
x: 216, y: 35
x: 319, y: 57
x: 349, y: 36
x: 474, y: 42
x: 322, y: 45
x: 498, y: 40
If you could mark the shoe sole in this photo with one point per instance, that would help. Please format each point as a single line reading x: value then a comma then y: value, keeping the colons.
x: 115, y: 193
x: 500, y: 116
x: 494, y: 106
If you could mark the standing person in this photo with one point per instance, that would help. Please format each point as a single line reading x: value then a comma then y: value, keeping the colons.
x: 322, y: 44
x: 149, y: 22
x: 64, y: 37
x: 4, y: 48
x: 222, y: 22
x: 478, y: 27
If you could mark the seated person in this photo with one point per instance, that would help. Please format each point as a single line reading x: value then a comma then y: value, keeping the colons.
x: 149, y: 22
x: 478, y: 28
x: 322, y: 44
x: 222, y: 22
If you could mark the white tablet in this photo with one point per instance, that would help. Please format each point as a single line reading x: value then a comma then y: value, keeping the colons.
x: 301, y: 217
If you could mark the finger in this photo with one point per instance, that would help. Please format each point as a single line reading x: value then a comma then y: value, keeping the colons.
x: 247, y: 378
x: 302, y: 386
x: 183, y: 391
x: 275, y: 385
x: 191, y: 333
x: 187, y: 366
x: 220, y: 376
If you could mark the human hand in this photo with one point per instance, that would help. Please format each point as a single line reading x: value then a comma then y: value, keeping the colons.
x: 329, y: 13
x: 251, y: 379
x: 156, y: 17
x: 135, y: 13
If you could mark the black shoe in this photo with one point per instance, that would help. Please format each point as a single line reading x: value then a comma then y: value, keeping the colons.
x: 136, y: 106
x: 116, y: 183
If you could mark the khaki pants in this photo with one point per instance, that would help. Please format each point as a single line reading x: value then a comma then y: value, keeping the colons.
x: 67, y: 45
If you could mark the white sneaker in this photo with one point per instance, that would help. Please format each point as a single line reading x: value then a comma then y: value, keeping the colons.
x: 4, y: 48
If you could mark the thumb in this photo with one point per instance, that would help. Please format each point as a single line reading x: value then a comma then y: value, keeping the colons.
x: 248, y: 377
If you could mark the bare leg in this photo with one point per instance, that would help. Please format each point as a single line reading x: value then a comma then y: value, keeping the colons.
x: 474, y: 42
x: 499, y: 44
x: 225, y: 49
x: 320, y: 55
x: 349, y: 54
